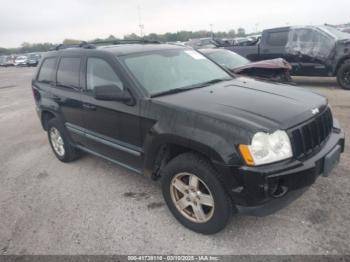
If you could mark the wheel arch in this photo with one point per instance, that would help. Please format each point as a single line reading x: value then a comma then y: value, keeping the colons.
x: 162, y: 149
x: 340, y: 62
x: 46, y: 116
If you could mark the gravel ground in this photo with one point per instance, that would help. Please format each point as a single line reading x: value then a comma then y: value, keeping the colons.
x: 92, y: 206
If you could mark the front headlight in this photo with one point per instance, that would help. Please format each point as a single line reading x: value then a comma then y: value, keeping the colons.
x: 267, y: 148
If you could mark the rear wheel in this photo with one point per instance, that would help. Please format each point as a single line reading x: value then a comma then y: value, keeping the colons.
x: 194, y: 194
x: 343, y: 75
x: 59, y: 141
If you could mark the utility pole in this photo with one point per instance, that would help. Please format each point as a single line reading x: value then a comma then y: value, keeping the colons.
x: 256, y: 27
x: 211, y: 30
x: 141, y: 26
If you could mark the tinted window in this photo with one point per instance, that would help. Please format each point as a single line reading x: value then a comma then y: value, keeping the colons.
x: 277, y: 38
x: 68, y: 71
x: 100, y: 73
x: 47, y: 69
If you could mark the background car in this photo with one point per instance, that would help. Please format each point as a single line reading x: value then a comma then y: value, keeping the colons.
x: 21, y: 61
x: 33, y: 59
x: 2, y: 60
x: 273, y: 69
x: 8, y: 61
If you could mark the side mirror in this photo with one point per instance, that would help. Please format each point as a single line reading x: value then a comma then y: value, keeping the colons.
x: 111, y: 93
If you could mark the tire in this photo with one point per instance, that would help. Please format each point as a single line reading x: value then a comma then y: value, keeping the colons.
x: 343, y: 75
x: 213, y: 218
x: 67, y: 152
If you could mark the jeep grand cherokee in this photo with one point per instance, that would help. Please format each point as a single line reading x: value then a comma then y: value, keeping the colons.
x: 215, y: 140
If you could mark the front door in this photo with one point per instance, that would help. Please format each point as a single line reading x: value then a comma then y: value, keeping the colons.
x: 112, y: 127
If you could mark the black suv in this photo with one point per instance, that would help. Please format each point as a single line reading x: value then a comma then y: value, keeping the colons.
x: 214, y: 140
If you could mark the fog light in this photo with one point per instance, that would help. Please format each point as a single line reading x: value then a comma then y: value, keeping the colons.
x: 277, y: 189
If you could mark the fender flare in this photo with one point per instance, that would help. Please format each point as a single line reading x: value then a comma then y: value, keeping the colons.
x: 155, y: 143
x: 340, y: 62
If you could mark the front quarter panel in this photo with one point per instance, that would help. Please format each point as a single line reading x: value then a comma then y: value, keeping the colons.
x: 163, y: 124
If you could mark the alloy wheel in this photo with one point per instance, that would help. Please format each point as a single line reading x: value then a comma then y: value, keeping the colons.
x: 192, y: 197
x: 57, y: 141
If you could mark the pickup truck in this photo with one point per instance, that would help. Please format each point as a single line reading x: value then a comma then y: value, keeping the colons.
x: 311, y: 50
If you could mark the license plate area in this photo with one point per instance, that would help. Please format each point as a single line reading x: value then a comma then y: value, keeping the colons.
x: 331, y: 160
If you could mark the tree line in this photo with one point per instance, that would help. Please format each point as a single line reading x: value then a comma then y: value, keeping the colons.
x: 167, y: 37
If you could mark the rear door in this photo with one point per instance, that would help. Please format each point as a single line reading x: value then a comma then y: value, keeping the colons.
x: 112, y: 127
x: 67, y: 94
x: 313, y: 49
x: 273, y: 45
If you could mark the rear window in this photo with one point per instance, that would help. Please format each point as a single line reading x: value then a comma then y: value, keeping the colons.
x: 277, y: 38
x: 47, y: 69
x: 68, y: 72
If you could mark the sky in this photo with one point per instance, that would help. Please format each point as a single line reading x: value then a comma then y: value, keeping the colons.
x: 38, y: 21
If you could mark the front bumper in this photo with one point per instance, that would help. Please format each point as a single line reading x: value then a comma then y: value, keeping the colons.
x: 257, y: 183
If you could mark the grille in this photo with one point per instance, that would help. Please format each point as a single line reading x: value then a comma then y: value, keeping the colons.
x: 311, y: 135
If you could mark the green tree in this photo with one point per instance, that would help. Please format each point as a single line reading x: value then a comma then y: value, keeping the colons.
x: 131, y: 36
x: 111, y: 37
x: 4, y: 51
x: 231, y: 33
x: 68, y: 41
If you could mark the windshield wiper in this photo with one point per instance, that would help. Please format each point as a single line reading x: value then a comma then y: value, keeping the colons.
x: 211, y: 82
x: 182, y: 89
x: 171, y: 91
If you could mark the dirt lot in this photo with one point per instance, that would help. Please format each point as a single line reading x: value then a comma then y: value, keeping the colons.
x: 94, y: 207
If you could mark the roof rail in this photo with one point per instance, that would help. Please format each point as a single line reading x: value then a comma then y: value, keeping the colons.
x: 123, y: 41
x: 82, y: 44
x: 92, y: 44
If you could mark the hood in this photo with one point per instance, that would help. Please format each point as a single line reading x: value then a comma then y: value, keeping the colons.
x: 278, y: 63
x: 250, y: 103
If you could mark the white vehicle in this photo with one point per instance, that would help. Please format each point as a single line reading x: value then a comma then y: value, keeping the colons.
x: 21, y: 61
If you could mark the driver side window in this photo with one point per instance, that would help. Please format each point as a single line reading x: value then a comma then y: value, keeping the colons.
x: 100, y: 73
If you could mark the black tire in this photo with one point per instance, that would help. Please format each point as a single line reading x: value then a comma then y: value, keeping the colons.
x: 343, y: 75
x: 200, y: 167
x: 70, y: 153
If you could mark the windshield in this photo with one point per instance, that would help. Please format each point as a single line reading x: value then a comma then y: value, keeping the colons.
x: 162, y: 71
x: 227, y: 58
x: 335, y: 32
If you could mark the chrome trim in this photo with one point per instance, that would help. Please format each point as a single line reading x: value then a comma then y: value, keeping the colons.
x: 138, y: 171
x: 133, y: 150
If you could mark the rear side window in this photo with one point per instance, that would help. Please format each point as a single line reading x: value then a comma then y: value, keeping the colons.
x: 277, y: 38
x: 47, y: 70
x: 100, y: 73
x: 68, y: 72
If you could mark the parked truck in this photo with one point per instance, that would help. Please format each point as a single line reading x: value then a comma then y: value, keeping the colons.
x: 311, y: 50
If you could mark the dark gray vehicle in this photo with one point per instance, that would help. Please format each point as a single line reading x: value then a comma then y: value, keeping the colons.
x: 170, y: 113
x: 33, y: 59
x: 311, y: 50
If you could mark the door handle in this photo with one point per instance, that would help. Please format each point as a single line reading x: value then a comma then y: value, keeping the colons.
x: 89, y: 106
x: 56, y: 98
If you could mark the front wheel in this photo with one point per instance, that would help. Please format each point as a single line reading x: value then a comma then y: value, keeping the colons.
x: 195, y: 195
x: 343, y: 75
